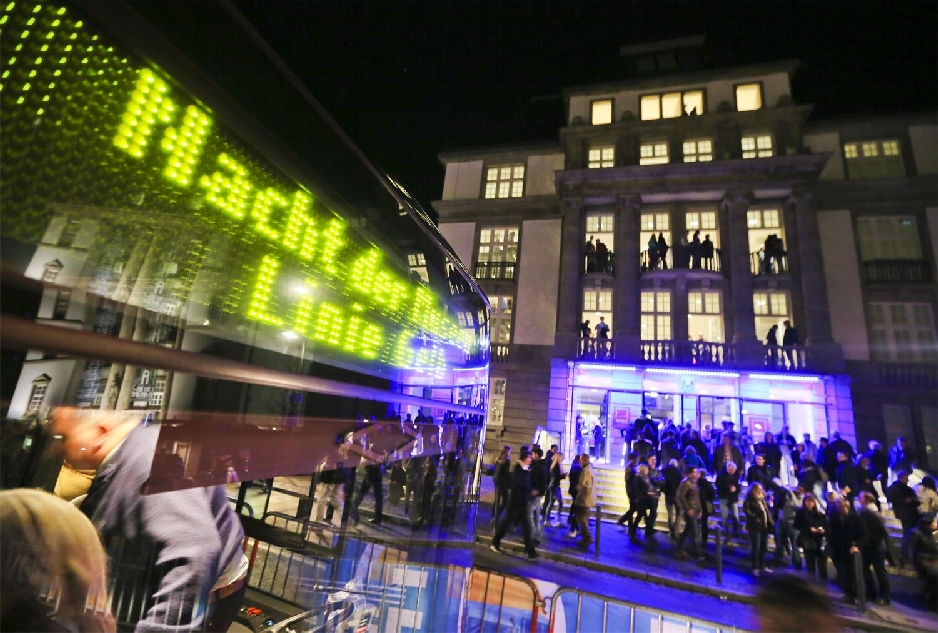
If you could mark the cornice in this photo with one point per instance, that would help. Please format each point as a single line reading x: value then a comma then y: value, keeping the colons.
x: 747, y: 174
x: 474, y: 208
x: 853, y: 194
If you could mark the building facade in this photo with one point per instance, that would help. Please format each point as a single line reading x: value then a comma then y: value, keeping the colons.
x: 694, y: 214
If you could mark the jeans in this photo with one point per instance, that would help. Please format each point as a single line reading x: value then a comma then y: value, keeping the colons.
x: 652, y: 516
x: 534, y: 517
x: 554, y: 496
x: 786, y: 537
x: 671, y: 506
x: 759, y: 540
x: 692, y: 532
x: 875, y: 557
x: 516, y: 514
x: 729, y: 510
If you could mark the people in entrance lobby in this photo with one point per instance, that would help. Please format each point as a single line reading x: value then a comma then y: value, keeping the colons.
x: 599, y: 441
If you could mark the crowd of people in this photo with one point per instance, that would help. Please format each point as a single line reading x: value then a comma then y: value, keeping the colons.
x: 819, y: 503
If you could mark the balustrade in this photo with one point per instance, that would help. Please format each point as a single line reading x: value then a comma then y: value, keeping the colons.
x: 895, y: 271
x: 495, y: 270
x: 682, y: 259
x: 776, y: 264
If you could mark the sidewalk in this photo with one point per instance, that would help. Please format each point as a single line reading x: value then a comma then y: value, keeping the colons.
x: 656, y: 562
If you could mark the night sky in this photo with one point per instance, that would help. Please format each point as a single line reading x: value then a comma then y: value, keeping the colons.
x: 408, y: 80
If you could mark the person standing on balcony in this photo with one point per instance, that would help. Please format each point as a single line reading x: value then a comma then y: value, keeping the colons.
x: 652, y: 253
x: 590, y: 255
x: 771, y: 347
x: 586, y: 340
x: 707, y: 251
x: 695, y: 250
x: 789, y: 340
x: 663, y: 251
x: 602, y: 339
x: 602, y: 256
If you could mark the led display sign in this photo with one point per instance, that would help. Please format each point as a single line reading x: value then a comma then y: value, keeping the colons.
x: 86, y: 125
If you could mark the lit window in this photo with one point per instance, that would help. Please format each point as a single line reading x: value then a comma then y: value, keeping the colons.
x: 51, y: 271
x: 497, y: 402
x: 69, y: 233
x: 757, y: 146
x: 698, y: 151
x: 597, y: 303
x: 38, y: 393
x: 771, y: 308
x: 748, y: 97
x: 705, y: 220
x: 498, y: 253
x: 874, y: 159
x: 600, y: 157
x: 602, y: 112
x: 501, y: 319
x: 506, y: 181
x: 656, y: 316
x: 599, y: 223
x: 672, y: 105
x: 653, y: 154
x: 888, y: 237
x: 704, y: 319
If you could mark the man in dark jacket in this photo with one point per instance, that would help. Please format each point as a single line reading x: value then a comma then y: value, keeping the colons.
x: 727, y: 486
x: 840, y: 445
x: 772, y: 451
x: 522, y: 491
x: 827, y: 459
x: 873, y: 548
x: 844, y: 536
x: 901, y: 457
x: 672, y: 479
x: 540, y: 478
x: 759, y: 473
x: 726, y: 452
x: 688, y: 503
x: 573, y: 477
x: 904, y: 502
x: 629, y: 472
x: 846, y: 476
x: 176, y: 556
x: 655, y: 485
x: 879, y: 462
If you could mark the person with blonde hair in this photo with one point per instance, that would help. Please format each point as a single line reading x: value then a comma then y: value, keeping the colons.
x: 554, y: 494
x: 53, y: 569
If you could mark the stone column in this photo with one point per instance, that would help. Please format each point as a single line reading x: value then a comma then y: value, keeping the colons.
x: 823, y: 353
x: 749, y: 351
x: 628, y: 286
x: 568, y: 296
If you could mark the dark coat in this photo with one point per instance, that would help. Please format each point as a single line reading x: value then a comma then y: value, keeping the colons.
x: 166, y: 550
x: 672, y: 479
x: 904, y: 502
x: 758, y: 514
x: 847, y: 476
x: 522, y: 483
x: 724, y: 482
x: 719, y: 463
x: 807, y: 519
x: 844, y: 532
x: 760, y: 475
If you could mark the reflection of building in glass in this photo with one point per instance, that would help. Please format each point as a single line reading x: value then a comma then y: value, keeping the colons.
x: 729, y: 212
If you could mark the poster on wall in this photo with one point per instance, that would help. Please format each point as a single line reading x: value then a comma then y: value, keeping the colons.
x: 757, y: 424
x: 622, y: 418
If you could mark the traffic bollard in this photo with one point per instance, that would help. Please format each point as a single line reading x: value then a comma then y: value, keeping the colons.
x: 599, y: 522
x: 718, y: 533
x: 858, y: 582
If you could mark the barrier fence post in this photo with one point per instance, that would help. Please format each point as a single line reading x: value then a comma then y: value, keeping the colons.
x: 858, y: 582
x: 719, y: 553
x: 599, y: 522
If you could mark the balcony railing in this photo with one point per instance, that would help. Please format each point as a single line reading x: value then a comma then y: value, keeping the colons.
x: 600, y: 262
x: 596, y: 349
x: 700, y: 354
x: 908, y: 376
x: 500, y: 352
x: 890, y: 271
x: 495, y: 270
x: 776, y: 264
x: 697, y: 353
x: 786, y: 357
x: 681, y: 258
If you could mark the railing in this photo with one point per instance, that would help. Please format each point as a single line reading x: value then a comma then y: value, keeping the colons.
x: 600, y: 263
x: 775, y: 264
x: 596, y: 349
x: 700, y: 353
x: 786, y: 357
x: 681, y: 258
x: 895, y: 271
x: 500, y: 352
x: 908, y: 376
x: 495, y: 270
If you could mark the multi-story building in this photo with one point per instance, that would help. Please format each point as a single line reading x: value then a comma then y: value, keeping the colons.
x: 722, y: 210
